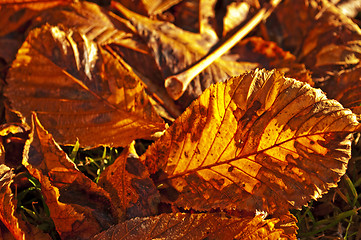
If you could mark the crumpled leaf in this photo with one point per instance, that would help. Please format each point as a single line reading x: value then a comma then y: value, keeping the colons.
x: 175, y: 50
x: 328, y: 43
x: 130, y: 187
x: 18, y: 228
x: 268, y: 55
x: 93, y: 21
x: 78, y: 207
x: 259, y: 141
x: 79, y: 90
x: 195, y: 226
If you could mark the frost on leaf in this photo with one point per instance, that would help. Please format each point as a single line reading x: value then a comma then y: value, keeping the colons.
x: 259, y: 141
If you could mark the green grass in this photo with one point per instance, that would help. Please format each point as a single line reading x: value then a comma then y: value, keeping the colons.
x: 32, y: 207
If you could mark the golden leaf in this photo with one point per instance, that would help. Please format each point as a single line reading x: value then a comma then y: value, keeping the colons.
x: 130, y: 188
x: 79, y: 90
x: 259, y: 141
x: 196, y: 226
x: 78, y: 207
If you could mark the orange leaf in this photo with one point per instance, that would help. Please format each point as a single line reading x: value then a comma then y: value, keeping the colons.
x: 78, y: 207
x: 195, y: 226
x: 258, y: 141
x: 175, y: 50
x: 328, y: 43
x: 128, y: 183
x: 18, y: 228
x: 269, y: 55
x: 149, y: 7
x: 16, y: 13
x: 79, y: 90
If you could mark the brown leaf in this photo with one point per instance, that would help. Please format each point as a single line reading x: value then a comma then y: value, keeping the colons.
x: 78, y: 207
x: 175, y: 50
x: 259, y: 141
x: 328, y: 43
x: 16, y: 13
x: 149, y: 7
x: 130, y: 188
x: 18, y: 228
x: 268, y: 55
x: 93, y: 21
x: 79, y: 90
x: 13, y: 137
x: 195, y: 226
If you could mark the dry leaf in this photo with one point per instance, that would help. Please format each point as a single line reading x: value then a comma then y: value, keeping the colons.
x: 130, y: 188
x: 94, y: 22
x: 259, y: 141
x: 16, y: 13
x: 195, y: 226
x: 328, y: 43
x: 18, y: 228
x: 175, y: 50
x: 12, y: 139
x: 268, y: 55
x: 78, y: 207
x: 79, y: 90
x: 149, y: 7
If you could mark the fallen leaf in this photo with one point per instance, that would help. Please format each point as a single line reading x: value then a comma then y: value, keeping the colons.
x: 93, y: 21
x: 15, y: 14
x: 235, y: 14
x: 195, y: 226
x: 268, y: 55
x: 328, y: 43
x: 18, y: 228
x: 78, y: 207
x: 259, y: 141
x: 130, y: 187
x: 149, y: 7
x: 175, y: 50
x: 79, y: 90
x: 12, y: 137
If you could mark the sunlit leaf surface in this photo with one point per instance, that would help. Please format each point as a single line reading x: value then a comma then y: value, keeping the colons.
x: 78, y: 207
x: 259, y: 141
x: 195, y: 226
x: 79, y: 90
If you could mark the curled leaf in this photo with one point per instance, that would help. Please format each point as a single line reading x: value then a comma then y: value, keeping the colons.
x: 129, y: 185
x: 79, y: 90
x: 9, y: 217
x: 328, y: 43
x: 259, y: 141
x: 175, y: 50
x: 78, y: 207
x: 195, y: 226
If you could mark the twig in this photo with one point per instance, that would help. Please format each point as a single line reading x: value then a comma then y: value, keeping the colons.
x: 177, y: 84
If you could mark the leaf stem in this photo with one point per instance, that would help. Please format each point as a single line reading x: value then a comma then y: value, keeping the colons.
x: 177, y: 84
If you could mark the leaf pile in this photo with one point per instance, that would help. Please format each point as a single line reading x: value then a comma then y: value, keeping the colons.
x: 249, y: 140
